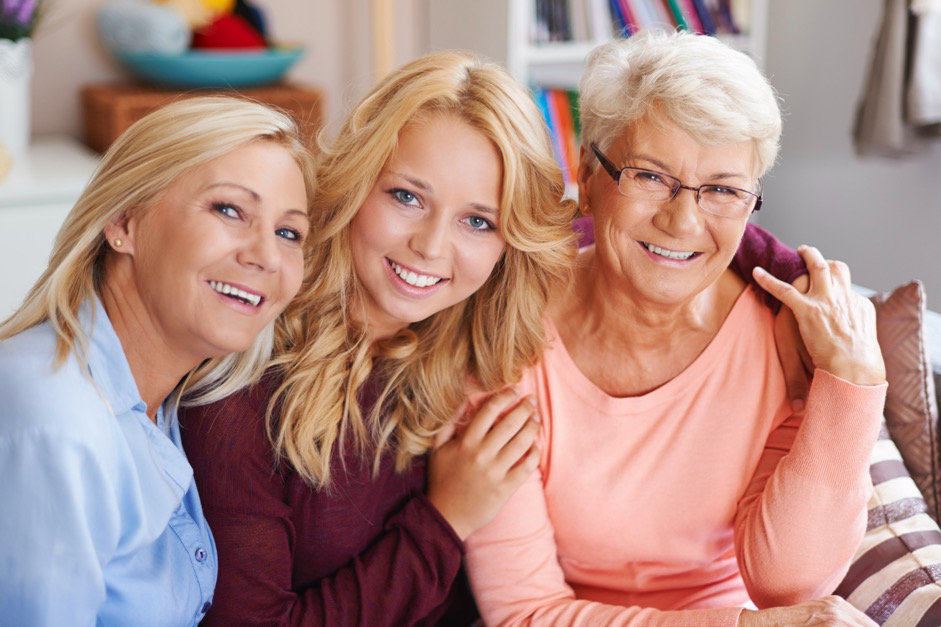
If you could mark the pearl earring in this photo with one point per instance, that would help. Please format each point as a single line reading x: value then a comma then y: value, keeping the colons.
x: 118, y: 243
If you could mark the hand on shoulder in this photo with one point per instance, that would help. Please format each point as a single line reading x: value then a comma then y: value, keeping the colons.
x: 472, y: 475
x: 837, y: 325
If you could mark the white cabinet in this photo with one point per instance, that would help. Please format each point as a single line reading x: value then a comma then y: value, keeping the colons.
x: 35, y: 197
x: 501, y: 30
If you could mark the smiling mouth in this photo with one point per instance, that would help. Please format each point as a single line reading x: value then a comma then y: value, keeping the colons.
x: 237, y: 294
x: 675, y: 255
x: 413, y: 278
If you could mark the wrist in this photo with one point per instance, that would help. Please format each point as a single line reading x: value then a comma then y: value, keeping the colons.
x: 460, y: 528
x: 856, y: 373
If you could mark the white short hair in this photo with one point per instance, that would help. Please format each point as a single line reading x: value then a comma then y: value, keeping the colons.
x: 712, y: 92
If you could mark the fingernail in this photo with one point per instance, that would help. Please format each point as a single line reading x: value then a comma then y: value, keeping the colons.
x: 797, y: 406
x: 760, y: 271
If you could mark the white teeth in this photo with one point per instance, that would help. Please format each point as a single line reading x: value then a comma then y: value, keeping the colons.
x: 229, y: 290
x: 669, y: 254
x: 418, y: 280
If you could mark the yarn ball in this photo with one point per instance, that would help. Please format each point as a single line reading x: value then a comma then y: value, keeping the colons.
x: 228, y: 31
x: 219, y: 7
x: 141, y: 26
x: 253, y: 15
x: 194, y: 12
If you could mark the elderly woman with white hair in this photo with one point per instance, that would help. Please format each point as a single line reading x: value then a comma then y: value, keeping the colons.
x: 676, y: 486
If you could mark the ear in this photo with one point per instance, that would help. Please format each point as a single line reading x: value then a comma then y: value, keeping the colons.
x: 120, y: 233
x: 583, y: 174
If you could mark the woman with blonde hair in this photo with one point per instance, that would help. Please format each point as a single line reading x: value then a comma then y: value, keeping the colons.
x: 440, y: 233
x: 165, y: 277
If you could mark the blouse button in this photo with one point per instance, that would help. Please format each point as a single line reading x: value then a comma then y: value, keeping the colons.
x: 206, y: 606
x: 200, y: 554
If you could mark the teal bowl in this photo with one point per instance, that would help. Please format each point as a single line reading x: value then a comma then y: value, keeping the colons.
x: 211, y: 68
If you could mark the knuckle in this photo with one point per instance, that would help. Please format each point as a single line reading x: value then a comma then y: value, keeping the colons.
x: 478, y: 459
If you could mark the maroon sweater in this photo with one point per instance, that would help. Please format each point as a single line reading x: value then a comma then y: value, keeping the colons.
x: 368, y: 551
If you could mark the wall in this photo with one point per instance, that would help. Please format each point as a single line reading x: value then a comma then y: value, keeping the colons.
x: 881, y: 216
x: 337, y: 36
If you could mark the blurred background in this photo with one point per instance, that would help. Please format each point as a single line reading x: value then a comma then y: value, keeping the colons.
x: 881, y: 215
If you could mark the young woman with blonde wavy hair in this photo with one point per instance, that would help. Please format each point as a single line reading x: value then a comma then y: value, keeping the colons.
x: 440, y: 231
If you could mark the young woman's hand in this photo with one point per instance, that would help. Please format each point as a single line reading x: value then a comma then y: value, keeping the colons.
x: 838, y: 325
x: 472, y: 475
x: 831, y: 611
x: 795, y: 361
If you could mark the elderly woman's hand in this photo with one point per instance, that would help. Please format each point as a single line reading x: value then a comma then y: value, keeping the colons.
x: 838, y: 325
x: 831, y: 611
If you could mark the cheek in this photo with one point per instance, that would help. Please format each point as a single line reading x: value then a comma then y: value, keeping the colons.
x: 727, y: 235
x: 374, y: 229
x: 480, y: 260
x: 292, y: 274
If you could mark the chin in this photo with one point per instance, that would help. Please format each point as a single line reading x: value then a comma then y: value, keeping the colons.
x: 223, y: 346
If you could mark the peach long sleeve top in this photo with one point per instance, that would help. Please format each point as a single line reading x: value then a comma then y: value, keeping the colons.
x: 678, y: 506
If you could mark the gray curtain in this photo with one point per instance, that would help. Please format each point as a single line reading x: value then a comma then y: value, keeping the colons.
x: 900, y: 106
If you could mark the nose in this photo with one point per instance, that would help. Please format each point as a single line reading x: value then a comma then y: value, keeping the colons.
x: 681, y: 216
x: 430, y: 237
x: 260, y: 250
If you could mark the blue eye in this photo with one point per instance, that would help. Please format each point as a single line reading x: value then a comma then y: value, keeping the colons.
x: 479, y: 224
x: 404, y: 196
x: 226, y: 209
x: 290, y: 234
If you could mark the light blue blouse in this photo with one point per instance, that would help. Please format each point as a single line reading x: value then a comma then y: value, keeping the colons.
x: 100, y: 521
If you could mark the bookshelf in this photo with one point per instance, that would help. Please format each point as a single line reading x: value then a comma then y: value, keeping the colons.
x: 546, y: 50
x: 503, y: 30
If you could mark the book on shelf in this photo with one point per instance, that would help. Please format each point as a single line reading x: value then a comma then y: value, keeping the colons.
x: 599, y: 20
x: 622, y: 17
x: 688, y: 9
x: 705, y: 17
x: 559, y: 109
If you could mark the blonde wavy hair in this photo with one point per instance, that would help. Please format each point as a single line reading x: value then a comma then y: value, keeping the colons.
x: 324, y: 356
x: 130, y: 179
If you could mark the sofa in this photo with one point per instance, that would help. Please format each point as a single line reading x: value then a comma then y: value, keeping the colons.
x: 895, y: 577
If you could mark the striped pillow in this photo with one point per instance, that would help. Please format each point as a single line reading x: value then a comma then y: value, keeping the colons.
x: 895, y: 577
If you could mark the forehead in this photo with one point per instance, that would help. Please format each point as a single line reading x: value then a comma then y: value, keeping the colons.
x: 443, y: 143
x: 656, y: 141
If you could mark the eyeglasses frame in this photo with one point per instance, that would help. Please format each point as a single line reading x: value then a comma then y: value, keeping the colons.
x: 615, y: 174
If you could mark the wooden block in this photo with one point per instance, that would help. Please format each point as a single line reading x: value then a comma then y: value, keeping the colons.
x: 108, y: 109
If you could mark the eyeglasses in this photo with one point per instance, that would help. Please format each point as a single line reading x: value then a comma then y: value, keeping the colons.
x: 641, y: 184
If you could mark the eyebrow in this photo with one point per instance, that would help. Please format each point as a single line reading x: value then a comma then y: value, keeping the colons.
x: 248, y: 191
x: 298, y: 212
x: 426, y: 187
x: 713, y: 177
x: 257, y: 198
